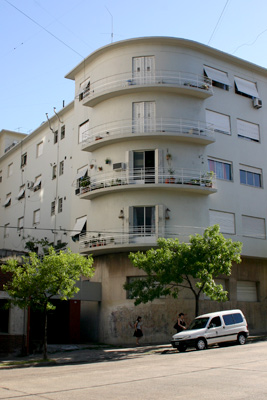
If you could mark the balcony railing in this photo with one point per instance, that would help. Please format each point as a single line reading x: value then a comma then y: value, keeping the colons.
x: 159, y: 78
x: 134, y: 236
x: 159, y: 126
x: 139, y: 176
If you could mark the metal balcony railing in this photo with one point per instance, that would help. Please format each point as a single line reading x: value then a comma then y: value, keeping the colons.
x: 159, y: 78
x: 141, y: 235
x: 144, y: 176
x: 146, y: 126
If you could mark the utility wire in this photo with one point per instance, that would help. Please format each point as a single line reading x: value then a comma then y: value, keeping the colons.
x: 42, y: 27
x: 220, y: 17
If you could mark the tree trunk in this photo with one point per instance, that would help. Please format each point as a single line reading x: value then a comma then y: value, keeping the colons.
x: 45, y: 334
x: 196, y: 304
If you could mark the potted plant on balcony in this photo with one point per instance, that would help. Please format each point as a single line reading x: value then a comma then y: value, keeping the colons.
x: 108, y: 161
x: 208, y: 178
x: 100, y: 168
x: 168, y: 156
x: 170, y: 179
x: 84, y: 184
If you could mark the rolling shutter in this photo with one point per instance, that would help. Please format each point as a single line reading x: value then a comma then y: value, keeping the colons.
x: 246, y: 291
x: 224, y: 219
x: 246, y: 87
x: 221, y: 122
x: 248, y: 130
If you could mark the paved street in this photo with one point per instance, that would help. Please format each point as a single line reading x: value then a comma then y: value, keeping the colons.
x: 235, y: 372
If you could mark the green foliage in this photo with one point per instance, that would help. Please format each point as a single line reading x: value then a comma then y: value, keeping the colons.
x: 32, y: 245
x: 195, y: 265
x: 38, y: 279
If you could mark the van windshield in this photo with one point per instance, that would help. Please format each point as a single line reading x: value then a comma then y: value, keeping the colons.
x: 198, y: 323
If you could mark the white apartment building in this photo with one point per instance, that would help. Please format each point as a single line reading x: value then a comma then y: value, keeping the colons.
x: 164, y: 138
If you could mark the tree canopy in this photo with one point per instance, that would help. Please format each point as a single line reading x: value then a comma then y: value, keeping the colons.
x: 36, y: 280
x: 194, y: 265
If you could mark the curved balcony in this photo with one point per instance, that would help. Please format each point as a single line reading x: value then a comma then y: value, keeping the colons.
x: 150, y: 178
x: 182, y: 129
x: 170, y: 81
x: 132, y: 238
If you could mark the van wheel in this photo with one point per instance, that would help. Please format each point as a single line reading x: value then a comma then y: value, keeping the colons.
x: 241, y: 339
x: 201, y: 344
x: 181, y: 348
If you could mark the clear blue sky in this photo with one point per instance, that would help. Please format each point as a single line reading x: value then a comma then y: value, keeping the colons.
x: 42, y: 40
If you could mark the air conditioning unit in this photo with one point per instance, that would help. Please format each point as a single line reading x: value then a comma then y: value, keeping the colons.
x: 257, y: 103
x: 30, y: 185
x: 119, y: 166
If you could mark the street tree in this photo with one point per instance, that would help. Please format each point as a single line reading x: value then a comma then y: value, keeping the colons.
x: 194, y: 266
x: 37, y: 280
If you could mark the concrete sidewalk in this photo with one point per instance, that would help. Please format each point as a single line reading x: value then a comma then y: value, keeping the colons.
x: 78, y: 354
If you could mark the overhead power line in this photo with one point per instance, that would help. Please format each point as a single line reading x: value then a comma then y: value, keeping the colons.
x: 220, y: 17
x: 46, y: 30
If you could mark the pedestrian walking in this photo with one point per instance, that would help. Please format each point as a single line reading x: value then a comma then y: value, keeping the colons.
x: 180, y: 324
x: 138, y: 332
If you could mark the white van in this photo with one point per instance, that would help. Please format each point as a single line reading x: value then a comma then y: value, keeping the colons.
x: 214, y: 328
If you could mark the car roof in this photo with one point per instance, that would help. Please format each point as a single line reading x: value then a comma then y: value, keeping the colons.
x: 219, y: 313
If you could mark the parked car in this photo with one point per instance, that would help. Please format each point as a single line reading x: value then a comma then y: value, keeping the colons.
x: 214, y: 328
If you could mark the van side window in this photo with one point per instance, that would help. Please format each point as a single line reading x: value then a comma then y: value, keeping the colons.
x: 228, y: 319
x: 216, y: 321
x: 238, y: 318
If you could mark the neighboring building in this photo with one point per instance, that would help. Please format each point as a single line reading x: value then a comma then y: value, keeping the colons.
x: 152, y: 120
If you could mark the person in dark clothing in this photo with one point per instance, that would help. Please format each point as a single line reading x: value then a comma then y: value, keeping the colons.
x: 138, y: 333
x: 180, y: 324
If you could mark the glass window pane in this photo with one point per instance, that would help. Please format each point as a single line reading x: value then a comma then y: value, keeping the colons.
x: 228, y: 319
x: 250, y: 178
x: 243, y: 176
x: 238, y: 318
x: 257, y: 180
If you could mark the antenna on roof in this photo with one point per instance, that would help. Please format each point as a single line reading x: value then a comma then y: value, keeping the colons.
x: 111, y: 24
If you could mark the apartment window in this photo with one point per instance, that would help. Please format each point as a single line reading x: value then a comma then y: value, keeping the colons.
x: 39, y: 149
x: 246, y: 291
x: 246, y: 88
x: 60, y: 205
x: 23, y: 161
x: 221, y: 122
x: 6, y: 230
x: 62, y: 132
x: 7, y: 202
x: 61, y: 168
x: 36, y: 217
x: 38, y: 183
x: 143, y: 69
x: 226, y: 221
x: 54, y: 172
x: 4, y: 316
x: 55, y: 136
x: 250, y: 176
x: 219, y: 78
x: 144, y: 220
x: 53, y: 208
x: 83, y: 131
x: 248, y: 130
x: 222, y: 169
x: 253, y: 227
x: 10, y: 169
x: 21, y: 194
x: 20, y: 223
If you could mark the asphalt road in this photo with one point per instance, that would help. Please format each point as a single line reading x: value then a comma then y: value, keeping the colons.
x: 235, y: 372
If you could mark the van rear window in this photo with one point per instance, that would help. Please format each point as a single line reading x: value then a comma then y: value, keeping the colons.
x: 231, y: 319
x: 238, y: 318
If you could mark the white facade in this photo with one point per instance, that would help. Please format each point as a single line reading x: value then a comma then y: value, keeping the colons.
x: 151, y: 120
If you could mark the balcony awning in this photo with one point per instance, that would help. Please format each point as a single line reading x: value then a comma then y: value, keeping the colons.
x: 78, y: 227
x: 81, y: 173
x: 84, y: 85
x: 37, y: 183
x: 8, y: 200
x: 246, y: 87
x: 21, y: 193
x: 217, y: 75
